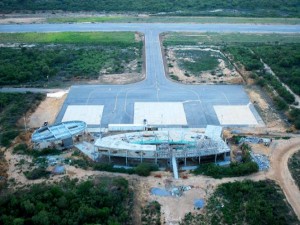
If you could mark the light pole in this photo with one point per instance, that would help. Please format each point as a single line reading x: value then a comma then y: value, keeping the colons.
x: 25, y: 127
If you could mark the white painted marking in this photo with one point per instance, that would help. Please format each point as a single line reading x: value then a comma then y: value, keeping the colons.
x: 235, y: 115
x: 159, y: 113
x: 91, y: 114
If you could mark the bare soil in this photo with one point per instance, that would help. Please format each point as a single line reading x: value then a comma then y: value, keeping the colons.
x: 22, y: 20
x: 124, y: 78
x: 272, y: 119
x: 46, y: 111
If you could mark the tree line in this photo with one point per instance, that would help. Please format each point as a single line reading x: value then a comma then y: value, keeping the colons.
x: 260, y: 8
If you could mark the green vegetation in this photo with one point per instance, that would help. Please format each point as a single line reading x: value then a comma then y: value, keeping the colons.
x: 223, y: 39
x: 75, y: 56
x: 284, y: 61
x: 24, y: 150
x: 37, y: 173
x: 103, y: 200
x: 234, y: 170
x: 13, y: 106
x: 122, y: 39
x: 173, y: 19
x: 196, y: 61
x: 246, y: 167
x: 200, y: 60
x: 276, y: 8
x: 151, y: 214
x: 286, y: 68
x: 245, y: 202
x: 142, y: 169
x: 294, y: 117
x: 294, y: 167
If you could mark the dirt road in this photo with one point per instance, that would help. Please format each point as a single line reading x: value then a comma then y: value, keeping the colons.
x: 280, y: 172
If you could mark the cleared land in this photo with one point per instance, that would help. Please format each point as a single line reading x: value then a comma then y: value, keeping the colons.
x: 46, y: 111
x: 195, y: 65
x: 48, y: 59
x: 276, y: 8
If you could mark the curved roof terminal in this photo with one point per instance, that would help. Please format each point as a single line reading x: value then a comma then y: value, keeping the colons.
x: 59, y: 131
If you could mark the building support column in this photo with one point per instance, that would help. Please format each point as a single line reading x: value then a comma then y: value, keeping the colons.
x: 199, y: 159
x: 215, y: 158
x: 109, y: 156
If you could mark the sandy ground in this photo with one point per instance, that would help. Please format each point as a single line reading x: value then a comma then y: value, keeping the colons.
x: 46, y: 111
x: 174, y: 208
x: 22, y: 20
x: 279, y: 172
x: 125, y: 78
x: 270, y: 116
x: 229, y: 76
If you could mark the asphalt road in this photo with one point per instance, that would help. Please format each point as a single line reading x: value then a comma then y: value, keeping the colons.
x: 118, y: 100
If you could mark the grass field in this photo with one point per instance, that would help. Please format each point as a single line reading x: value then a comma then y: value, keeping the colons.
x: 228, y: 38
x: 173, y: 19
x: 86, y: 38
x: 199, y: 60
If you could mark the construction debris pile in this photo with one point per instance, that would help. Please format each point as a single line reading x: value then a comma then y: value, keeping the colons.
x: 174, y: 191
x: 261, y: 160
x: 199, y: 203
x: 255, y: 140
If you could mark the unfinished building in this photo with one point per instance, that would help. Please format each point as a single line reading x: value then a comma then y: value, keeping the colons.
x: 164, y: 148
x: 58, y: 134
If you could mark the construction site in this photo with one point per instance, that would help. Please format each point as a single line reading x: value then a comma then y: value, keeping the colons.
x: 165, y: 148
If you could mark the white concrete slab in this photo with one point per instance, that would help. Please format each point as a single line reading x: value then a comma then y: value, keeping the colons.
x: 235, y: 115
x: 160, y: 113
x: 91, y: 114
x: 57, y: 94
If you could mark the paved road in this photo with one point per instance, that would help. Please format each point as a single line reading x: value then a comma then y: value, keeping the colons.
x: 118, y: 100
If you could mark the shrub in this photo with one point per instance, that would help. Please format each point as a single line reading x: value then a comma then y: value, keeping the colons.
x: 23, y: 149
x: 144, y: 169
x: 234, y: 170
x: 37, y: 173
